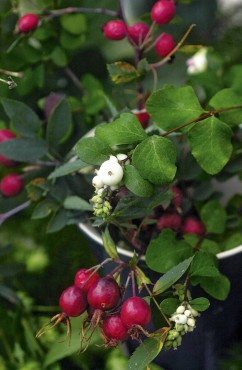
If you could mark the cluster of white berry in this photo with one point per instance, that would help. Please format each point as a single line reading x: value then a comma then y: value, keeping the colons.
x: 107, y: 179
x: 185, y: 321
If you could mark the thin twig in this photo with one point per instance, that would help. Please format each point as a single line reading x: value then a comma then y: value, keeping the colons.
x: 13, y: 211
x: 59, y: 12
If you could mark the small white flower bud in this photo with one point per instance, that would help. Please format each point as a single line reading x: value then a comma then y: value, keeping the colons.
x: 110, y: 172
x: 180, y: 309
x: 100, y: 192
x: 180, y: 319
x: 113, y: 158
x: 194, y: 313
x: 122, y: 157
x: 191, y: 322
x: 97, y: 182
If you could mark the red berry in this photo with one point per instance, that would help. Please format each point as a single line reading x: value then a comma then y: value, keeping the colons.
x: 4, y: 136
x: 169, y: 220
x: 135, y: 311
x: 11, y: 185
x: 163, y: 11
x: 192, y: 225
x: 164, y: 44
x: 73, y: 301
x: 114, y: 328
x: 115, y: 30
x: 138, y: 32
x: 82, y: 275
x: 178, y: 196
x: 142, y: 116
x: 104, y: 294
x: 27, y: 23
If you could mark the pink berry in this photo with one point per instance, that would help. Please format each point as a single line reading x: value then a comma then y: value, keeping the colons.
x: 114, y: 328
x: 11, y: 185
x: 169, y: 220
x: 135, y: 311
x: 192, y: 225
x: 81, y: 277
x: 27, y: 23
x: 4, y: 136
x: 163, y: 11
x: 73, y: 301
x: 164, y: 44
x: 142, y: 116
x: 178, y: 196
x: 138, y: 32
x: 104, y: 294
x: 115, y: 30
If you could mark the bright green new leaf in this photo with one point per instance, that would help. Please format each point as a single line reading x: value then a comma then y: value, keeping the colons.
x: 109, y: 244
x: 210, y: 142
x: 59, y: 125
x: 228, y: 98
x: 172, y: 276
x: 124, y: 130
x: 135, y: 183
x: 145, y: 353
x: 91, y: 150
x: 25, y: 120
x: 155, y: 159
x: 214, y: 217
x: 165, y: 252
x: 172, y: 106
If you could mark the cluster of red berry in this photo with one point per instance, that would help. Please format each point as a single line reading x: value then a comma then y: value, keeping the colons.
x: 102, y: 299
x: 11, y: 184
x: 140, y: 34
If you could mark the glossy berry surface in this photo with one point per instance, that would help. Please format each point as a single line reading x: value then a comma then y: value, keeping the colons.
x: 169, y: 220
x: 164, y: 44
x: 138, y: 32
x: 114, y: 328
x: 73, y: 301
x: 143, y: 116
x: 163, y: 11
x: 115, y: 30
x: 4, y: 136
x: 135, y: 311
x: 81, y: 277
x: 11, y: 185
x: 193, y: 226
x: 104, y: 294
x: 27, y: 23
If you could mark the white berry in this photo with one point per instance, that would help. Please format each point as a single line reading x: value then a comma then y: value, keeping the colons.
x: 180, y: 309
x: 97, y: 182
x: 122, y: 157
x: 180, y: 319
x: 113, y: 158
x: 187, y: 313
x: 110, y: 172
x: 191, y: 322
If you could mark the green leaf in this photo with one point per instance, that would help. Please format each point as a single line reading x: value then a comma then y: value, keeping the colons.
x: 214, y: 217
x: 77, y: 203
x: 43, y: 209
x: 204, y: 264
x: 232, y: 241
x: 59, y: 125
x: 171, y: 276
x: 169, y: 305
x: 210, y: 142
x: 74, y: 23
x: 172, y: 106
x: 145, y: 353
x: 155, y: 159
x: 200, y: 304
x: 24, y: 150
x: 58, y: 221
x: 122, y: 72
x: 218, y: 287
x: 109, y: 244
x: 135, y: 183
x: 58, y: 56
x: 92, y: 150
x: 24, y: 119
x: 165, y: 252
x: 228, y: 98
x: 67, y: 169
x: 124, y: 130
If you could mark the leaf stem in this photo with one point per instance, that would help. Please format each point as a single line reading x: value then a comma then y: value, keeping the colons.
x: 69, y: 10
